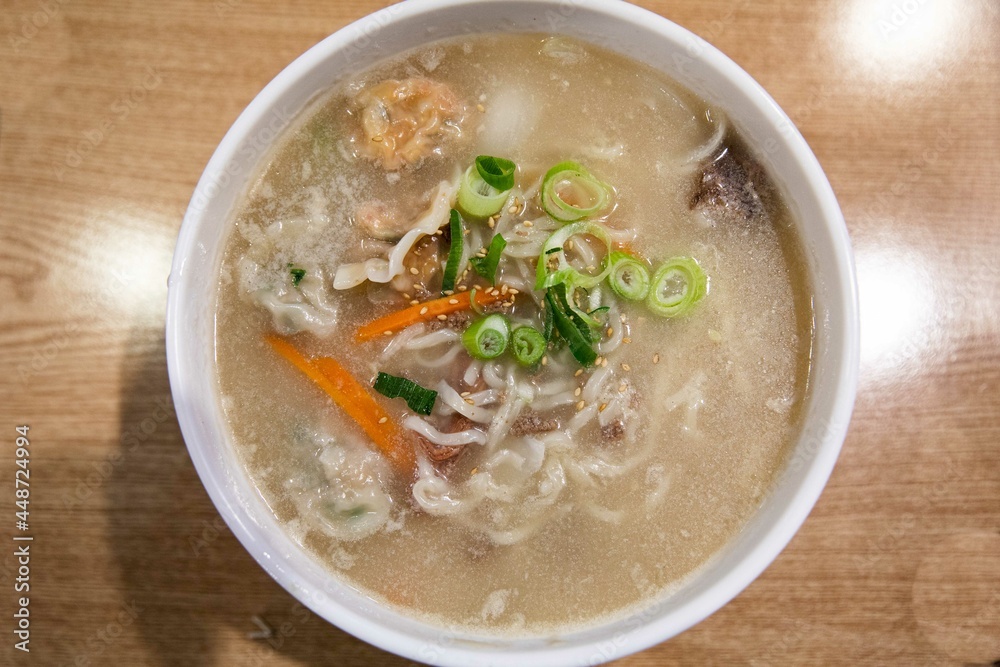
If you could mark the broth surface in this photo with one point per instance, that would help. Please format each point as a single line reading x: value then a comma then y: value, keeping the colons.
x: 716, y: 394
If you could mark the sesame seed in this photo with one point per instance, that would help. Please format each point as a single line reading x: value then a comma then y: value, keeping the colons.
x: 513, y: 291
x: 508, y: 304
x: 491, y: 223
x: 386, y: 333
x: 383, y: 420
x: 474, y: 471
x: 622, y: 318
x: 545, y: 360
x: 481, y: 108
x: 462, y: 288
x: 469, y: 401
x: 423, y: 311
x: 448, y: 292
x: 442, y: 317
x: 656, y: 358
x: 622, y: 387
x: 598, y: 360
x: 414, y: 302
x: 528, y: 223
x: 577, y: 391
x: 413, y: 270
x: 626, y: 340
x: 603, y: 407
x: 465, y: 394
x: 580, y: 405
x: 453, y: 302
x: 611, y: 332
x: 604, y: 363
x: 521, y: 232
x: 407, y: 296
x: 578, y: 373
x: 591, y: 268
x: 512, y: 209
x: 568, y: 245
x: 378, y: 139
x: 626, y: 368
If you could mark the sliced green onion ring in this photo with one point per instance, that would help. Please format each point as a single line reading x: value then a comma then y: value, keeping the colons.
x: 629, y: 277
x: 419, y: 399
x: 528, y: 345
x: 479, y: 199
x: 454, y: 252
x: 553, y: 268
x: 487, y: 338
x: 570, y: 192
x: 487, y: 266
x: 676, y: 287
x: 497, y: 171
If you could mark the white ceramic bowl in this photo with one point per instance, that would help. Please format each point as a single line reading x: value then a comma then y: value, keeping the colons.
x: 620, y: 27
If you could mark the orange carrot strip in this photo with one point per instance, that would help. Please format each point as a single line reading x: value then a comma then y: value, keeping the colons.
x: 425, y: 312
x: 355, y: 400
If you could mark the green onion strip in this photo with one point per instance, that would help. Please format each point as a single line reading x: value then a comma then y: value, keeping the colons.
x: 487, y: 266
x: 486, y: 338
x: 454, y: 252
x: 571, y: 326
x: 676, y: 287
x: 419, y: 399
x: 570, y: 192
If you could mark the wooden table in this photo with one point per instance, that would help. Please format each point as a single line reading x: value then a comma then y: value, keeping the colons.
x: 110, y: 111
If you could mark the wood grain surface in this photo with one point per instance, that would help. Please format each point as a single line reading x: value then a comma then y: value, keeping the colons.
x: 109, y: 111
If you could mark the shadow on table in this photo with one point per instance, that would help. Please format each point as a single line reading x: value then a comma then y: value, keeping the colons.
x: 196, y: 589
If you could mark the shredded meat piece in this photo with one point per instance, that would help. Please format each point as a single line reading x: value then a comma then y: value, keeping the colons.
x: 445, y: 457
x: 440, y: 453
x: 529, y: 422
x: 403, y: 122
x: 613, y: 430
x: 459, y: 321
x: 732, y: 185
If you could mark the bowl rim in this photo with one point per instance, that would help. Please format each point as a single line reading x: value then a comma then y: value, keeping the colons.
x: 239, y: 518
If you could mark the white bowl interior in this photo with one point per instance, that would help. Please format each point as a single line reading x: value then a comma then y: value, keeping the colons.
x: 614, y: 25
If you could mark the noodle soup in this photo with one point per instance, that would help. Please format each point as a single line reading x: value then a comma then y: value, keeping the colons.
x: 524, y: 435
